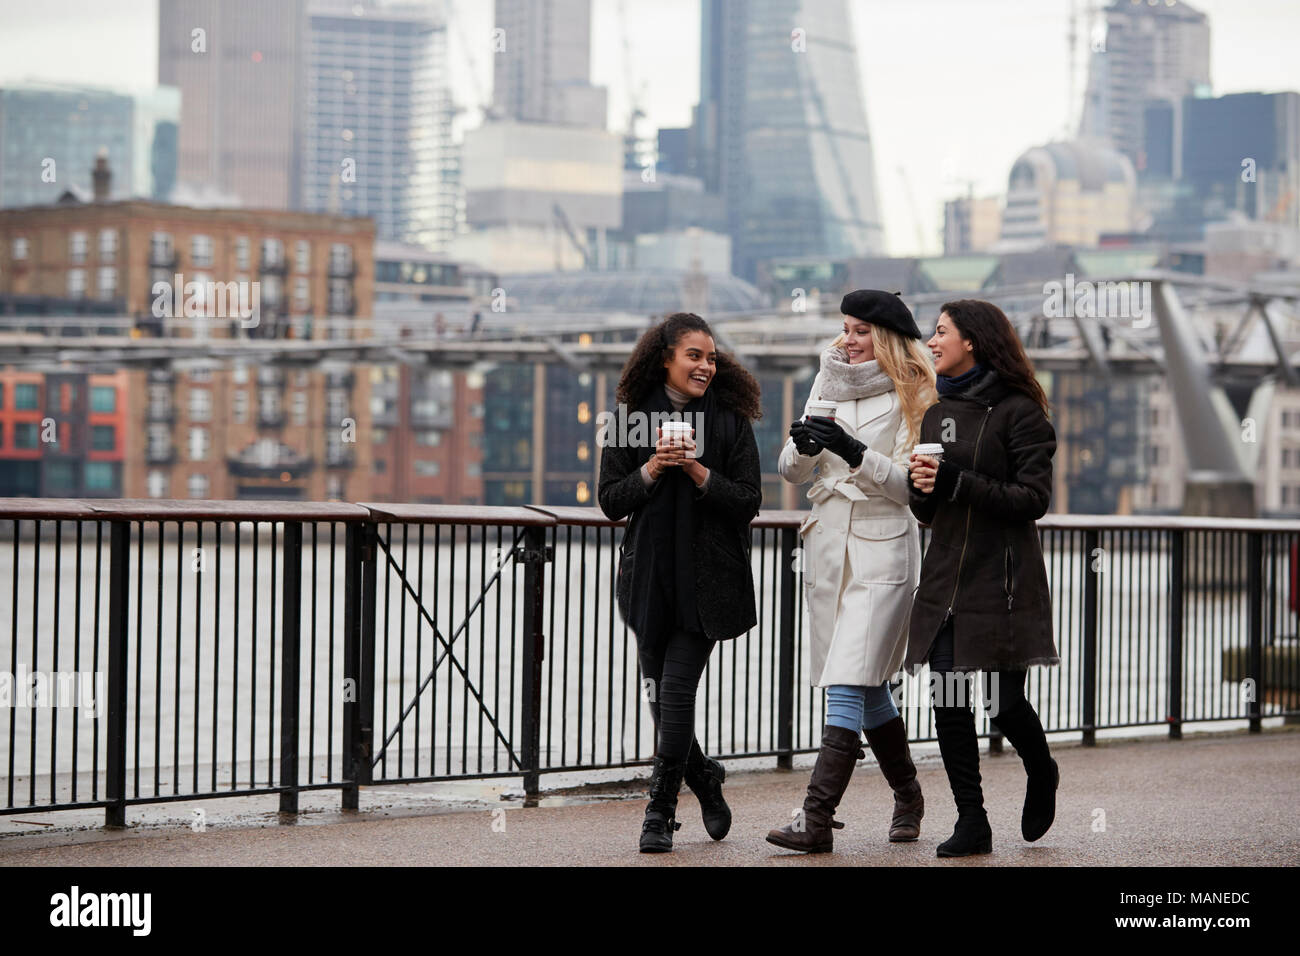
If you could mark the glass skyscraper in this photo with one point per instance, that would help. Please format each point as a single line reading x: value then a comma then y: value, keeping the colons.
x: 50, y: 136
x: 781, y: 130
x: 377, y: 121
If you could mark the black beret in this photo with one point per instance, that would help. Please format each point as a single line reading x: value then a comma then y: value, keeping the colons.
x: 881, y: 308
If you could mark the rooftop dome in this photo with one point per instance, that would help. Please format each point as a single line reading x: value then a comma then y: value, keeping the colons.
x: 1094, y: 165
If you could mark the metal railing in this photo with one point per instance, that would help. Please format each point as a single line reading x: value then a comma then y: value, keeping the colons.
x: 179, y: 650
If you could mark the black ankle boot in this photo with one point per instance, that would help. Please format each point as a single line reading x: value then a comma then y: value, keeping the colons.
x: 1021, y: 726
x: 705, y: 777
x: 661, y: 814
x: 813, y: 831
x: 959, y: 745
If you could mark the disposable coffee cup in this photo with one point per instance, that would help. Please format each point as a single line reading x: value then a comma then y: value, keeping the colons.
x: 820, y: 409
x: 678, y: 432
x: 933, y: 449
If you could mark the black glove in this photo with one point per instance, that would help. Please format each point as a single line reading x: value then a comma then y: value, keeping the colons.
x: 804, y: 443
x: 835, y: 439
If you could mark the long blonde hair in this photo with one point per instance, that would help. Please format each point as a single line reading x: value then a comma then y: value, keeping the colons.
x: 911, y: 371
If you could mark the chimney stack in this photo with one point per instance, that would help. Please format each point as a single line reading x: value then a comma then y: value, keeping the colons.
x: 102, y: 176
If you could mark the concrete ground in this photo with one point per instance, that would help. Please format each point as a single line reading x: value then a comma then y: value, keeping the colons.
x: 1210, y: 799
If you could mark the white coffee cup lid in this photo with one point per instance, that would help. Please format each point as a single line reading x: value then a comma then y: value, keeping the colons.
x: 928, y: 448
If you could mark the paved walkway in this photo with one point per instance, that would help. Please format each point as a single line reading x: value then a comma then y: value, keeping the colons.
x: 1230, y: 799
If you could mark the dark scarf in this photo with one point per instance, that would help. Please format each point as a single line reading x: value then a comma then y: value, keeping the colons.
x: 959, y: 383
x: 665, y: 551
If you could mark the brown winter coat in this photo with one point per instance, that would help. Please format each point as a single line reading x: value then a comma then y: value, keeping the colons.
x: 984, y: 565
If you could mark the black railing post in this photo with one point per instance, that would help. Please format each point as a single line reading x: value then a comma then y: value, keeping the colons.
x: 290, y: 678
x: 358, y: 659
x: 534, y: 554
x: 785, y: 653
x: 119, y: 602
x: 1091, y: 545
x: 1255, y: 595
x: 1177, y: 577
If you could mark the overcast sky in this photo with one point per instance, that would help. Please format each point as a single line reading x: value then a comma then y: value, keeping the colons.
x: 955, y: 89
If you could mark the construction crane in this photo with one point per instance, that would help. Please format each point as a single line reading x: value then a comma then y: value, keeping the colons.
x: 482, y: 100
x: 633, y: 148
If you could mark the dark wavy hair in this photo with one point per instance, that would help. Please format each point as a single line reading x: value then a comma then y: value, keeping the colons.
x: 733, y: 384
x: 996, y: 345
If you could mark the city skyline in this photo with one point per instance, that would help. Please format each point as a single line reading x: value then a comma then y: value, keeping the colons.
x: 937, y: 134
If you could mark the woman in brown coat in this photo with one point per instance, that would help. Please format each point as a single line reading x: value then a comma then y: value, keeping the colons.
x: 983, y: 602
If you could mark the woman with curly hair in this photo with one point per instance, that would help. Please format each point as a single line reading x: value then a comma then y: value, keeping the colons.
x: 983, y: 602
x: 861, y: 554
x: 684, y: 578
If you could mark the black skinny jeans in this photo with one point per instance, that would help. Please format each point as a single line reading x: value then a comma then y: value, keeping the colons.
x: 1005, y: 689
x: 674, y: 665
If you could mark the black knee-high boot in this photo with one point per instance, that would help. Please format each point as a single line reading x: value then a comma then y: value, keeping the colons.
x: 1020, y: 725
x: 959, y: 745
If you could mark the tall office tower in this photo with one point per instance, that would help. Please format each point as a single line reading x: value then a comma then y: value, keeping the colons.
x: 542, y: 64
x: 51, y: 135
x: 236, y: 63
x: 781, y: 130
x: 1152, y: 52
x: 376, y: 122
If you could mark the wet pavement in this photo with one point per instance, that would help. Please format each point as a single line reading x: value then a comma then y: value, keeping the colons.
x: 1209, y: 799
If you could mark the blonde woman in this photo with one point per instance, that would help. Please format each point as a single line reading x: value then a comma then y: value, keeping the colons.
x: 861, y: 553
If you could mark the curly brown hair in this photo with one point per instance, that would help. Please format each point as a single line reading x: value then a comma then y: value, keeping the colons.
x: 735, y: 387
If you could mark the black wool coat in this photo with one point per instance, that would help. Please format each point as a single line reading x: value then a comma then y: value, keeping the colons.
x: 720, y: 545
x: 984, y: 565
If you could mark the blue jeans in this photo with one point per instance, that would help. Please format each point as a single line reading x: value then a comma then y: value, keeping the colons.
x: 859, y: 708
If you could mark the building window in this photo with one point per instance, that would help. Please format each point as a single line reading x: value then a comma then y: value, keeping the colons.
x: 340, y: 300
x: 107, y: 245
x: 340, y: 259
x: 239, y: 406
x: 430, y: 438
x: 160, y: 441
x: 201, y: 375
x: 336, y: 406
x: 333, y: 487
x: 300, y: 408
x: 473, y: 469
x: 427, y: 468
x: 301, y: 294
x: 241, y: 253
x: 476, y: 410
x: 25, y: 434
x: 78, y: 246
x: 198, y: 444
x: 272, y: 253
x: 103, y: 437
x: 198, y: 486
x: 59, y: 476
x: 201, y: 251
x: 27, y: 397
x: 200, y: 405
x: 107, y: 283
x: 76, y: 283
x: 20, y: 248
x: 302, y: 256
x: 160, y: 249
x: 103, y: 399
x: 157, y: 484
x: 239, y: 374
x: 100, y: 476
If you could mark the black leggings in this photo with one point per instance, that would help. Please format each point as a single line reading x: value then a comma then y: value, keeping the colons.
x: 1003, y: 691
x: 673, y: 666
